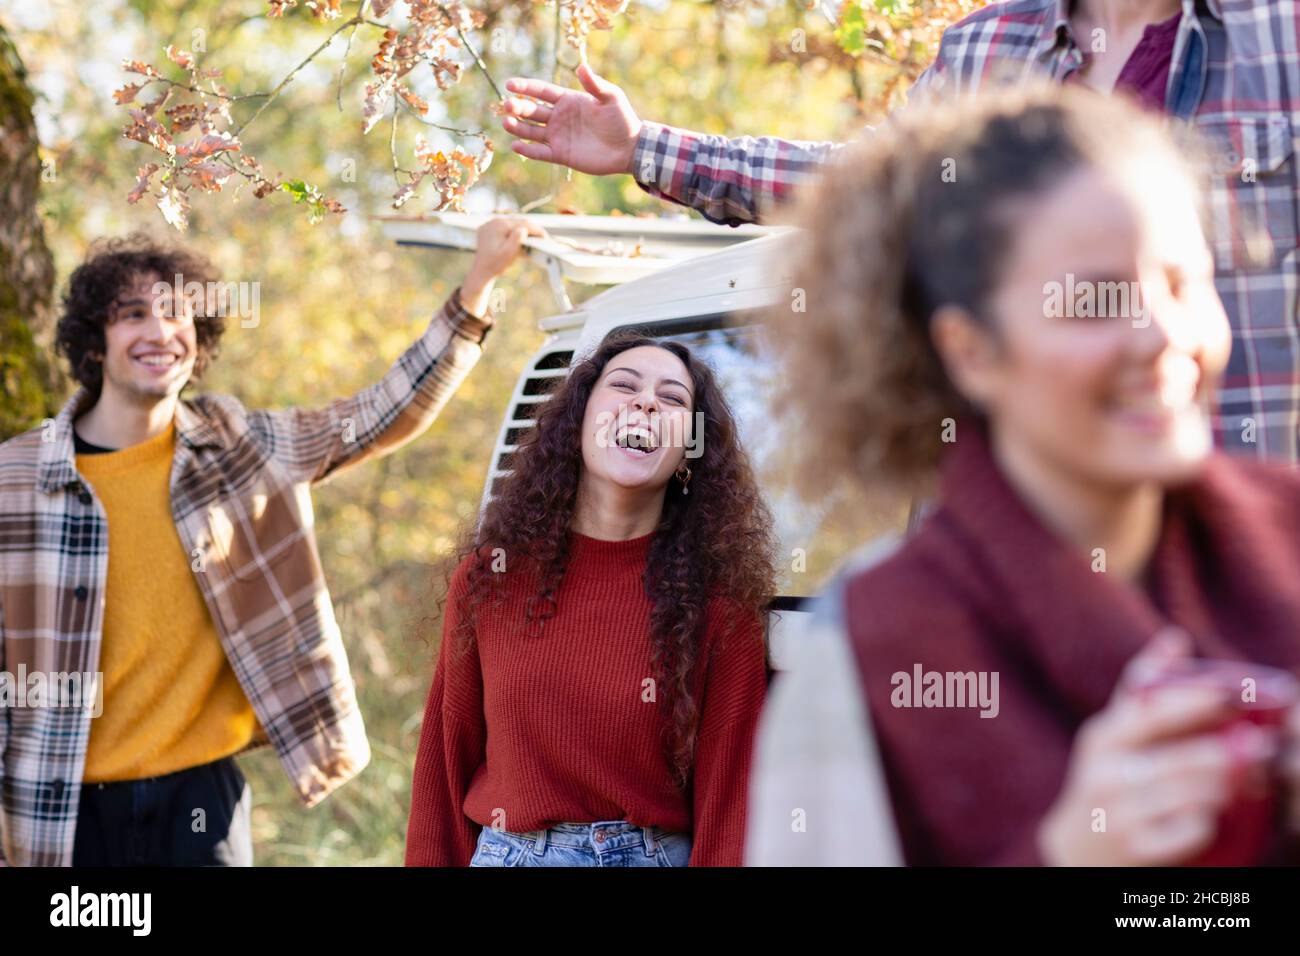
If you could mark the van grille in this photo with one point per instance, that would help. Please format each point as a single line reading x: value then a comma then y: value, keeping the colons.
x: 548, y: 371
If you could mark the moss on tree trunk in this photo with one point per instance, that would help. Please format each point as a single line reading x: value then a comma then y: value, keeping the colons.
x: 27, y: 383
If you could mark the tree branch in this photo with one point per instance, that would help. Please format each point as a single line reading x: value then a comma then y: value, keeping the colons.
x: 271, y: 97
x: 202, y: 92
x: 343, y: 64
x: 447, y: 129
x: 478, y: 60
x: 555, y: 44
x: 392, y: 144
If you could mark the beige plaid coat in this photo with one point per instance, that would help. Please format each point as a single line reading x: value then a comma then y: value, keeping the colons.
x: 240, y: 495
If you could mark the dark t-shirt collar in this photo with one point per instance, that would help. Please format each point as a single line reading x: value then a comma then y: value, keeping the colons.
x: 82, y: 447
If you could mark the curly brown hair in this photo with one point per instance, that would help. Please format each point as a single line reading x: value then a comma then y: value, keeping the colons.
x: 715, y: 542
x: 916, y: 216
x: 111, y: 267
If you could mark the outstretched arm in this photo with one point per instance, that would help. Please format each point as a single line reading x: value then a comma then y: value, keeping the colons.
x: 729, y: 180
x: 314, y: 443
x: 595, y: 130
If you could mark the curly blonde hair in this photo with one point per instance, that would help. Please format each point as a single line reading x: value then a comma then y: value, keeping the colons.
x: 918, y: 215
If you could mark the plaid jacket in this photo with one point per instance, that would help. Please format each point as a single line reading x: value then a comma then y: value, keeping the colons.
x: 1235, y: 77
x: 240, y: 496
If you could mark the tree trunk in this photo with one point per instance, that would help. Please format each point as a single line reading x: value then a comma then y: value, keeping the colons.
x: 27, y: 383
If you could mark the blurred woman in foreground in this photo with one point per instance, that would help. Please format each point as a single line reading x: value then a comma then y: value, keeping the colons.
x: 1010, y: 305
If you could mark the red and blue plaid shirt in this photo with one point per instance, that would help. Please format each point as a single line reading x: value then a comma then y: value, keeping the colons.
x: 1235, y: 76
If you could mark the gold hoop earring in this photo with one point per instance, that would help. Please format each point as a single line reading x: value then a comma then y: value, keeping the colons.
x: 684, y: 479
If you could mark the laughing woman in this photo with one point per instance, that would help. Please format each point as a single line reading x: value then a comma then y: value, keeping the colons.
x: 603, y: 658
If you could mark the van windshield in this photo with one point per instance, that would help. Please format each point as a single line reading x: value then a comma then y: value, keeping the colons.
x: 814, y: 539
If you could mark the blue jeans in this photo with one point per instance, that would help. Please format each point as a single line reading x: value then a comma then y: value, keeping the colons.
x: 613, y: 843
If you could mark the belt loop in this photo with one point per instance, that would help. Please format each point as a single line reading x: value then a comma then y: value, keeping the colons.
x: 649, y: 839
x: 539, y: 845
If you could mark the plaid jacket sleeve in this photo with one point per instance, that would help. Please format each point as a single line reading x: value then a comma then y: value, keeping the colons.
x: 315, y: 443
x: 733, y: 180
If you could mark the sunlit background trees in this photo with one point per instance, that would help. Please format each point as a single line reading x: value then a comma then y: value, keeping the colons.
x: 338, y: 302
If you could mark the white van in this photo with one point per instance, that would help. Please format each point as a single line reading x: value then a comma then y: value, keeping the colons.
x: 707, y: 286
x: 693, y: 282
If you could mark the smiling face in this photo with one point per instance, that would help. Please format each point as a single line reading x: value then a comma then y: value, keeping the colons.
x: 150, y: 343
x: 638, y: 420
x: 1120, y: 396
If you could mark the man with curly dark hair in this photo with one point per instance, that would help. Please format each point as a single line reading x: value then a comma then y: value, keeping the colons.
x: 159, y: 568
x: 122, y: 279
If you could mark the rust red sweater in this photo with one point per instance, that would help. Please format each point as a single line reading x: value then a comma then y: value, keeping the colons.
x: 984, y: 587
x: 525, y: 732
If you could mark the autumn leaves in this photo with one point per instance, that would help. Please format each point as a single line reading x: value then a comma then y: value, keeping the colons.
x: 198, y: 146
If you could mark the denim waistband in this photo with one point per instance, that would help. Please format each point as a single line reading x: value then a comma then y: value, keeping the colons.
x: 603, y: 835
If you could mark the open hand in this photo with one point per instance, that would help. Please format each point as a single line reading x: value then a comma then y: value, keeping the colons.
x: 592, y: 130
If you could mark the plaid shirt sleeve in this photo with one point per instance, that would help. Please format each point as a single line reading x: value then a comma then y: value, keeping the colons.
x: 733, y: 180
x: 315, y: 443
x: 730, y: 181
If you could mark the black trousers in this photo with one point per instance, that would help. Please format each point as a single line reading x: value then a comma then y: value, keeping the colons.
x: 195, y: 817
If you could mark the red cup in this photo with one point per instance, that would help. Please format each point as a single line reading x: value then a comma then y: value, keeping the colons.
x: 1250, y: 817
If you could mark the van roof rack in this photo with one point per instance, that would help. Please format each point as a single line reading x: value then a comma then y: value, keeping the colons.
x: 589, y: 250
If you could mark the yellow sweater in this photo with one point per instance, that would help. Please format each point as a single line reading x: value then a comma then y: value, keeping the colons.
x: 171, y: 700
